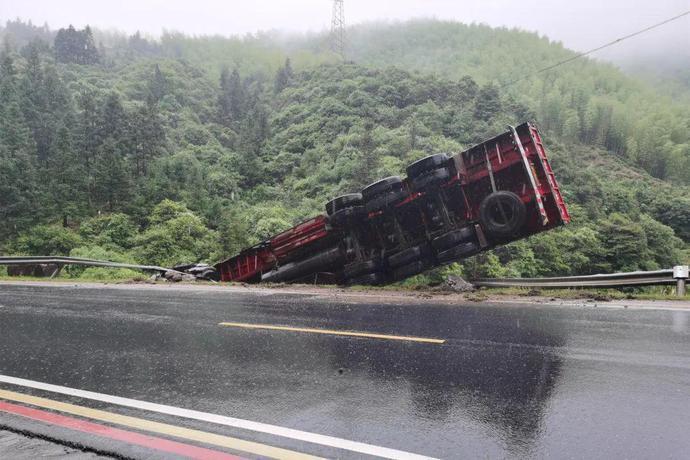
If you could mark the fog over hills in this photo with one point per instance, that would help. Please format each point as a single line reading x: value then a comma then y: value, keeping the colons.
x: 579, y: 25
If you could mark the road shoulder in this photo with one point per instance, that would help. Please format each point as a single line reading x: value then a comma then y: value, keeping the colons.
x: 383, y: 296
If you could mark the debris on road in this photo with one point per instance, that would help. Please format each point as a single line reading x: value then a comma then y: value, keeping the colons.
x: 172, y: 275
x: 458, y: 284
x: 195, y: 271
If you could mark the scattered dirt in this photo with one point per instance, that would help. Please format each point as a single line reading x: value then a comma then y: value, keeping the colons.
x: 477, y: 297
x: 391, y: 295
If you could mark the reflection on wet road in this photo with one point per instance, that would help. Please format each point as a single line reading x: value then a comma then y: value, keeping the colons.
x: 508, y: 381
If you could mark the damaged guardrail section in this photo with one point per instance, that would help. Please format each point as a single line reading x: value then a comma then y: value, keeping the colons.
x: 677, y: 275
x: 57, y: 262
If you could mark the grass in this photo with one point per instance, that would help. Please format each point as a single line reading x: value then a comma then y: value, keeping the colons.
x: 643, y: 293
x: 80, y: 279
x: 647, y: 293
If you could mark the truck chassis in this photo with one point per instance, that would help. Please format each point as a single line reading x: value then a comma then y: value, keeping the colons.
x: 447, y: 208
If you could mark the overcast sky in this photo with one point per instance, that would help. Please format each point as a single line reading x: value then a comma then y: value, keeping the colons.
x: 579, y: 24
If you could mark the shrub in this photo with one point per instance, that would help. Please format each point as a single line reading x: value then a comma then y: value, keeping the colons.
x: 97, y: 253
x: 177, y: 236
x: 46, y: 240
x: 109, y: 230
x: 167, y: 210
x: 106, y: 274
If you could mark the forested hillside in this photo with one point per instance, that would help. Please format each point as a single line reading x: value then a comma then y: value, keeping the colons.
x: 188, y: 149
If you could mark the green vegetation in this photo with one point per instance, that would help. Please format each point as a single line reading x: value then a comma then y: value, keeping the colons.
x: 584, y: 101
x: 188, y: 149
x: 596, y: 295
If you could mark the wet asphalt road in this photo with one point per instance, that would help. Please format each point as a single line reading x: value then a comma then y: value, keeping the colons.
x: 510, y: 380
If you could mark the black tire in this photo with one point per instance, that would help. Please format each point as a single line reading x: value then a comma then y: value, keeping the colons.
x: 356, y: 269
x: 458, y: 252
x: 379, y: 187
x: 415, y: 268
x: 452, y: 238
x: 342, y: 202
x: 426, y: 164
x: 348, y: 215
x: 409, y: 255
x: 384, y: 201
x: 434, y: 177
x: 502, y: 214
x: 370, y: 279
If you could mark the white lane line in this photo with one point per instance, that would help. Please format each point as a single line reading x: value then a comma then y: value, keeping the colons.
x: 314, y: 438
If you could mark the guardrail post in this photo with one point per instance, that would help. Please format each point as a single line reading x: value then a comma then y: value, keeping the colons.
x: 57, y: 271
x: 680, y: 273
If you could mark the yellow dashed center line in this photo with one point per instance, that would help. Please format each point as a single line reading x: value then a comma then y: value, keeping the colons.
x: 332, y: 332
x: 157, y: 427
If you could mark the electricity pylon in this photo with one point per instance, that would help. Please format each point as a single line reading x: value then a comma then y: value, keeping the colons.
x: 338, y: 29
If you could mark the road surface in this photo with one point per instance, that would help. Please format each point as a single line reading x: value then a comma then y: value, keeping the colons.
x: 419, y: 376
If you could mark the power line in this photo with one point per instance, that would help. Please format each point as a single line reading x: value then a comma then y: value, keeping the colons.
x: 585, y: 53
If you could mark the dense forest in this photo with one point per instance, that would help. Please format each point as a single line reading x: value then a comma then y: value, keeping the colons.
x: 186, y: 149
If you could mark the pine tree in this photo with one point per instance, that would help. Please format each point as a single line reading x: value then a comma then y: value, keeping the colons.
x: 231, y: 101
x: 66, y: 45
x: 112, y: 185
x: 114, y: 139
x: 89, y: 53
x: 14, y: 133
x: 488, y: 103
x: 112, y: 121
x: 158, y: 85
x: 149, y: 136
x: 76, y: 46
x: 87, y: 139
x: 66, y: 178
x: 33, y: 101
x: 283, y: 77
x: 17, y: 171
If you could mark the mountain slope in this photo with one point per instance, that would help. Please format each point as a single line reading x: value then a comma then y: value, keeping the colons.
x: 248, y: 152
x: 583, y: 100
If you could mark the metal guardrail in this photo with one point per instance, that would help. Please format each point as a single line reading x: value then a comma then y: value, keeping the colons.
x: 677, y: 275
x: 61, y: 261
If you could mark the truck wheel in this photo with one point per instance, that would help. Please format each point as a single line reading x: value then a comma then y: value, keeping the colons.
x: 388, y: 199
x: 356, y: 269
x: 458, y: 252
x: 342, y: 202
x: 407, y: 256
x: 431, y: 178
x: 379, y: 187
x: 370, y: 279
x: 415, y: 268
x: 452, y: 238
x: 502, y: 214
x: 347, y: 215
x: 426, y: 164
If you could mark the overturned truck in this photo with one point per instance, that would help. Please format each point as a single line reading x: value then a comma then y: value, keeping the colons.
x: 447, y: 208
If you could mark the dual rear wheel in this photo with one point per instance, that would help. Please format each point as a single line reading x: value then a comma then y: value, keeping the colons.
x: 502, y: 214
x: 346, y: 209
